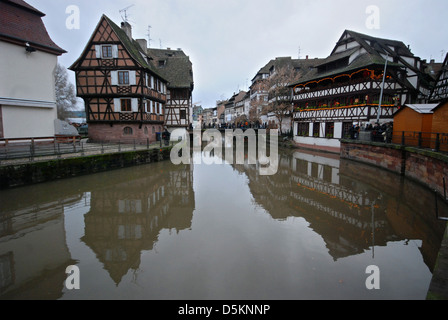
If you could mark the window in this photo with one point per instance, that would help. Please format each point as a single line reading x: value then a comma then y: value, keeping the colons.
x: 303, y: 129
x: 126, y: 105
x: 106, y: 52
x: 316, y: 129
x: 329, y: 129
x: 183, y: 114
x: 123, y: 77
x: 128, y: 131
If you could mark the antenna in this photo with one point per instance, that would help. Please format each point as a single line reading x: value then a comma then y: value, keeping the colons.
x: 299, y: 52
x: 149, y: 36
x: 160, y: 41
x: 125, y: 10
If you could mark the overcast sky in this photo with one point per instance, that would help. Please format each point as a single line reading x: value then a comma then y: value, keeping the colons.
x: 228, y: 41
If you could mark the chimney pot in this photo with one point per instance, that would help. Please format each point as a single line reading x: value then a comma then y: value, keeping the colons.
x: 127, y: 28
x: 143, y: 44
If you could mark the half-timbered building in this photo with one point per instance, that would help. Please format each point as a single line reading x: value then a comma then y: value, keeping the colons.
x: 440, y: 90
x: 123, y: 92
x: 177, y: 68
x: 345, y: 89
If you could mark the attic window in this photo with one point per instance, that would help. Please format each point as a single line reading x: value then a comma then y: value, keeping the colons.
x: 162, y: 63
x: 107, y: 52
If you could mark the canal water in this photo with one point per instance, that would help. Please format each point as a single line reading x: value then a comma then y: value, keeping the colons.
x: 222, y: 231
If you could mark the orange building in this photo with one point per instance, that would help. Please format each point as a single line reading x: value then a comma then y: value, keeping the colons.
x: 422, y: 124
x: 440, y: 118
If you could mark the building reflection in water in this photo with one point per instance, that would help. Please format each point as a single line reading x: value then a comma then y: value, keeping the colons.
x: 127, y: 214
x: 33, y: 248
x: 354, y: 207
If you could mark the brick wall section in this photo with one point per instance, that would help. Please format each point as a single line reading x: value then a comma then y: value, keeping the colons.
x: 427, y: 169
x: 115, y: 133
x: 38, y: 172
x: 424, y: 166
x: 388, y: 158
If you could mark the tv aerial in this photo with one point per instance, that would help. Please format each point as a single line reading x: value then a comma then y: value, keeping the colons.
x: 125, y: 12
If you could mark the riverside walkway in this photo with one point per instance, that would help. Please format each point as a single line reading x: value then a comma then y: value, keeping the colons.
x: 25, y: 153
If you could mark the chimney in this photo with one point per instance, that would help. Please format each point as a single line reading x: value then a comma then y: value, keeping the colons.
x: 127, y: 29
x: 143, y: 44
x: 306, y: 57
x: 433, y: 61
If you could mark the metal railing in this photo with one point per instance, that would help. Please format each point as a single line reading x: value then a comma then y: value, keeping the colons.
x: 426, y: 140
x: 31, y: 149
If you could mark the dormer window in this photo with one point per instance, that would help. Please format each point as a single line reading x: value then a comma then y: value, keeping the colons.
x: 106, y: 51
x: 162, y: 63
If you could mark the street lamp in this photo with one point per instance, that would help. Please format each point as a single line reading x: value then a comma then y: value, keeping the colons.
x: 382, y: 90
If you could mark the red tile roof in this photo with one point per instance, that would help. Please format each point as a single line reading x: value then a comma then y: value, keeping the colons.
x: 21, y: 23
x: 25, y: 5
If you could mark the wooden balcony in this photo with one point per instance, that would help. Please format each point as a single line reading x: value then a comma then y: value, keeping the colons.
x: 363, y: 112
x: 344, y: 89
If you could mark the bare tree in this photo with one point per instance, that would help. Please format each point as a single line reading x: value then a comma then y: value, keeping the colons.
x: 65, y: 92
x: 280, y: 103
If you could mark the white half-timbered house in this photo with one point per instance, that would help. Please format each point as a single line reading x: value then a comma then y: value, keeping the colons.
x: 345, y: 89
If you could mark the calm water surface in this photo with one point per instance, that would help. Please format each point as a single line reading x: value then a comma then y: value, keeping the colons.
x: 161, y: 231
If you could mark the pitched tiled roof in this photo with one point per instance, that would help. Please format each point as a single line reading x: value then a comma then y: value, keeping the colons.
x: 21, y: 23
x: 373, y: 48
x: 304, y: 65
x: 24, y: 5
x: 176, y: 67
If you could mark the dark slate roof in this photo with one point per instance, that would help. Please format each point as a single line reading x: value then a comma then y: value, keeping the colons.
x: 21, y: 23
x: 305, y: 65
x: 377, y: 44
x: 362, y: 61
x: 177, y: 67
x: 373, y: 46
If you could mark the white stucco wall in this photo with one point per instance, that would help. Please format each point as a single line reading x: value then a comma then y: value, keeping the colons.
x: 27, y: 92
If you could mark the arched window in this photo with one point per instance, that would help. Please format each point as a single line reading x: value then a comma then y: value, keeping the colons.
x: 127, y: 131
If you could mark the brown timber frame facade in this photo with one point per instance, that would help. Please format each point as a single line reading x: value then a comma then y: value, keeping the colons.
x: 124, y: 95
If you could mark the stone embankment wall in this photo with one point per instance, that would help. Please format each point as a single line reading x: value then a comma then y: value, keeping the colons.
x: 37, y: 172
x: 424, y: 166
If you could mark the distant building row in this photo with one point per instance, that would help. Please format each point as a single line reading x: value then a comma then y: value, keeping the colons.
x: 333, y: 94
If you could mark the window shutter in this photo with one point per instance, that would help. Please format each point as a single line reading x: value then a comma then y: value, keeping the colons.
x: 134, y: 104
x: 98, y: 51
x: 117, y: 105
x: 115, y: 51
x: 114, y: 78
x: 132, y: 78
